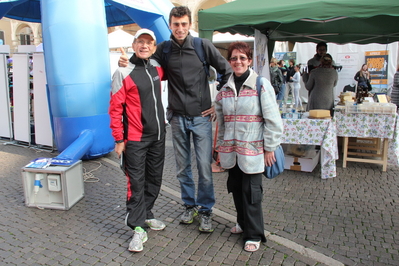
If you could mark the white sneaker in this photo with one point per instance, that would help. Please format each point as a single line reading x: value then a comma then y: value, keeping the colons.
x: 205, y: 223
x: 155, y: 224
x: 139, y: 237
x: 188, y: 215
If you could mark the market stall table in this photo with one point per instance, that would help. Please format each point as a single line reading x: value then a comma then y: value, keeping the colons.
x: 315, y: 132
x: 370, y: 125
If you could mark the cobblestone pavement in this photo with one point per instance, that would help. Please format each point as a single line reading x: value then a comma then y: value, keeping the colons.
x: 348, y: 220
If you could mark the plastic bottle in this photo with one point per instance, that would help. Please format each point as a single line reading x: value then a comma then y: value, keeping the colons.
x: 283, y: 109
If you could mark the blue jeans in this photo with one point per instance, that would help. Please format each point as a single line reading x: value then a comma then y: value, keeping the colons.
x: 201, y: 130
x: 280, y: 94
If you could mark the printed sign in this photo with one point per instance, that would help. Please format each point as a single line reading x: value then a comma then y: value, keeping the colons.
x: 377, y: 62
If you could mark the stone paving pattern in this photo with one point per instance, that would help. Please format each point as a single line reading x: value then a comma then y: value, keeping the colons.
x: 352, y: 218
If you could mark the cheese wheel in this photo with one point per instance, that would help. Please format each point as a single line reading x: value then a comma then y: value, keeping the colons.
x: 319, y: 113
x: 347, y: 98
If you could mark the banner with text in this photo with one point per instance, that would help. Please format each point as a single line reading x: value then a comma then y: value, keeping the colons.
x: 377, y: 63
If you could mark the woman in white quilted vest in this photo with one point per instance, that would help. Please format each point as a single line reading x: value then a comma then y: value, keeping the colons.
x: 250, y: 129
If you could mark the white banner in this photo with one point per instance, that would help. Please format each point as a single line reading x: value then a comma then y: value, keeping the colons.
x: 349, y: 63
x: 43, y: 132
x: 5, y: 121
x: 21, y: 95
x: 261, y: 59
x: 305, y: 51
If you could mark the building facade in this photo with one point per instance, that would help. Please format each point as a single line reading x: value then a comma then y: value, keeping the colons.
x: 15, y: 32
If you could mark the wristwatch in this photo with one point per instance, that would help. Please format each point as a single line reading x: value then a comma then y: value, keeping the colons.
x: 118, y: 141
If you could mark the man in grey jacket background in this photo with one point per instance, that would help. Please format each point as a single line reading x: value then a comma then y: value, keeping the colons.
x: 189, y: 101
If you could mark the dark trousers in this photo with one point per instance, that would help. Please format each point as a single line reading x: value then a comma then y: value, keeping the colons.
x: 143, y: 166
x: 247, y: 195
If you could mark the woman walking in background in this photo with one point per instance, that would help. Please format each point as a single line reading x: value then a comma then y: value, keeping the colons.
x: 296, y: 80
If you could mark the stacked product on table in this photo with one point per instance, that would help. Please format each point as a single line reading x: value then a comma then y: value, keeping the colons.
x: 319, y: 114
x: 347, y: 96
x: 378, y: 104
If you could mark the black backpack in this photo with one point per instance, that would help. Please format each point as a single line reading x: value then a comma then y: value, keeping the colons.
x: 198, y: 47
x: 275, y: 80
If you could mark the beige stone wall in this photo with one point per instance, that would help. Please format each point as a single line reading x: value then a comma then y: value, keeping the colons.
x: 5, y: 27
x: 13, y: 28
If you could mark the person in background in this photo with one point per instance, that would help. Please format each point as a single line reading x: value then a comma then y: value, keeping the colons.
x: 283, y: 69
x: 395, y: 88
x: 138, y: 127
x: 296, y: 80
x: 314, y: 62
x: 276, y: 77
x: 190, y: 105
x: 289, y: 85
x: 363, y: 78
x: 250, y: 129
x: 320, y: 85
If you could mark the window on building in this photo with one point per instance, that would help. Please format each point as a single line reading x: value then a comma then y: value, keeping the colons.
x: 2, y: 41
x: 25, y: 39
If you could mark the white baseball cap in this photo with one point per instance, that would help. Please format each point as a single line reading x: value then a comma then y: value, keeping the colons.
x: 144, y: 31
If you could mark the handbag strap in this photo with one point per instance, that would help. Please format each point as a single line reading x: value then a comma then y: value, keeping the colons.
x: 259, y: 88
x: 259, y: 84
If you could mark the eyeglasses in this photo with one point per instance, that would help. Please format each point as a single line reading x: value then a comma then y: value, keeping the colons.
x: 142, y: 43
x: 242, y: 58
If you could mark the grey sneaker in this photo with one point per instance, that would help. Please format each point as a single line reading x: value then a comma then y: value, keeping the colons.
x: 188, y: 215
x: 139, y: 237
x: 155, y: 224
x: 205, y: 223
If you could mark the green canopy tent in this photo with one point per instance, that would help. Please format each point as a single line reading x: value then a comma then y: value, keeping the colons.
x: 337, y: 21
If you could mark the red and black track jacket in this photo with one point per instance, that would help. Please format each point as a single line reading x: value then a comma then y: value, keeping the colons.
x: 136, y: 109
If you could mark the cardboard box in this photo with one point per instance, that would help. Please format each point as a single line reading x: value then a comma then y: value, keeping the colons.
x: 304, y: 164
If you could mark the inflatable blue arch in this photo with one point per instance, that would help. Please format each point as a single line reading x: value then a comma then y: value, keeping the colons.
x: 78, y: 72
